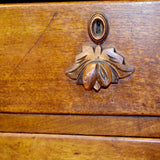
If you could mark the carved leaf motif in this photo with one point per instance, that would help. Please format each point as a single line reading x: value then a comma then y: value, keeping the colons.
x: 100, y: 68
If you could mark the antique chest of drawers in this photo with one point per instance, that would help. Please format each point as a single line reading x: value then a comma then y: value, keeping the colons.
x: 46, y: 114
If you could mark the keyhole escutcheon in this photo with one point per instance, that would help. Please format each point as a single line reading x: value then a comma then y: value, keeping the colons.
x: 98, y: 28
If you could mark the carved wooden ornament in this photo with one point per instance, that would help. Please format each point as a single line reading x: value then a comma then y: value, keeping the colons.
x: 96, y: 68
x: 99, y: 68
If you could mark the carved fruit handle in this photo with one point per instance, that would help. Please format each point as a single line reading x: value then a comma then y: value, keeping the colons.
x: 96, y: 69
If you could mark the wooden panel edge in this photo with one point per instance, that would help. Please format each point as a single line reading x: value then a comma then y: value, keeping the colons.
x: 81, y: 124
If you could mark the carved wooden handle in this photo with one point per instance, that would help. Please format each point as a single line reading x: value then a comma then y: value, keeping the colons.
x: 98, y: 68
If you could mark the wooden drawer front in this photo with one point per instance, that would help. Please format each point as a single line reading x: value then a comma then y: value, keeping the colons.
x: 40, y: 41
x: 32, y: 146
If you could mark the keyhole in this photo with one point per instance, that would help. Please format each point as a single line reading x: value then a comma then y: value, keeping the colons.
x: 97, y: 27
x: 98, y: 30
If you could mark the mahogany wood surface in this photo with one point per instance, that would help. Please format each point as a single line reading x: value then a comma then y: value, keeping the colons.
x: 39, y: 42
x: 81, y: 125
x: 60, y: 147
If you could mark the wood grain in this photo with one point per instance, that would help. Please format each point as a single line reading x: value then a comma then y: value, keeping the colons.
x: 81, y: 125
x: 32, y: 146
x: 40, y: 41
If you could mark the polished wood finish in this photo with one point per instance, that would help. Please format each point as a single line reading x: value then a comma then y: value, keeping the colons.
x: 40, y: 41
x: 82, y: 125
x: 58, y: 147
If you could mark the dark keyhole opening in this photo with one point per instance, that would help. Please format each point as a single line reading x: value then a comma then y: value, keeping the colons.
x: 98, y: 28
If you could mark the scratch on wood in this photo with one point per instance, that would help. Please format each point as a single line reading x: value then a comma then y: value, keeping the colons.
x: 35, y: 43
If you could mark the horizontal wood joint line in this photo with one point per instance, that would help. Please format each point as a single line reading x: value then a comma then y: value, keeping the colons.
x: 145, y: 139
x: 78, y: 135
x: 74, y: 114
